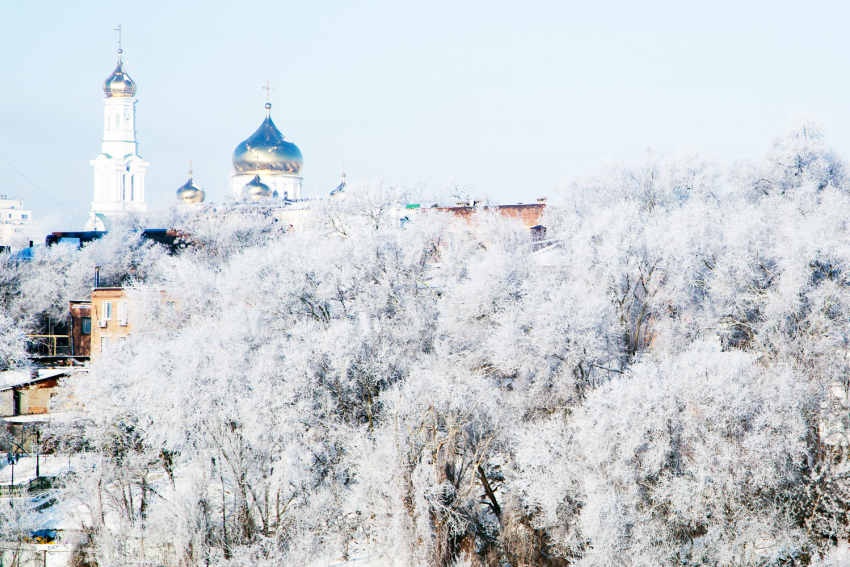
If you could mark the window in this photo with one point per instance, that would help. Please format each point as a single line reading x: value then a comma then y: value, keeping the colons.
x: 132, y: 187
x: 25, y: 217
x: 85, y: 325
x: 106, y: 307
x: 122, y: 310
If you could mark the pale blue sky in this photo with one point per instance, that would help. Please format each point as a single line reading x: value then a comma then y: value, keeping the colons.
x: 511, y: 97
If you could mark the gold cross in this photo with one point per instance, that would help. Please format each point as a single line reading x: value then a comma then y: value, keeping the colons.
x: 118, y: 29
x: 269, y: 88
x: 190, y: 167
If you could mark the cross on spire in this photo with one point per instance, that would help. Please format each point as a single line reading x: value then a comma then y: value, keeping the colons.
x: 268, y: 88
x: 118, y: 29
x: 343, y: 170
x: 190, y: 167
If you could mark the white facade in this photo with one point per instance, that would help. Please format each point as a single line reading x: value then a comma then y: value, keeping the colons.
x: 287, y: 185
x: 17, y: 226
x: 119, y: 172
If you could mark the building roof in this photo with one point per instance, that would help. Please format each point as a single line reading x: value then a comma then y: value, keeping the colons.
x: 11, y: 379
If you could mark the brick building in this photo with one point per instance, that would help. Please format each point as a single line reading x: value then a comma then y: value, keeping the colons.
x: 80, y: 327
x: 529, y: 215
x: 111, y: 318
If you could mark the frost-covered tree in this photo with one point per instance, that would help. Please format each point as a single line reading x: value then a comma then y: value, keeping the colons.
x: 662, y: 382
x: 38, y: 288
x: 13, y: 353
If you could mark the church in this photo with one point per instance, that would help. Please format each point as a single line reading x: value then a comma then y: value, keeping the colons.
x: 119, y: 172
x: 266, y: 166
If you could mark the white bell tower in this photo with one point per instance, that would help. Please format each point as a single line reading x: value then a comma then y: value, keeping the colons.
x: 119, y: 172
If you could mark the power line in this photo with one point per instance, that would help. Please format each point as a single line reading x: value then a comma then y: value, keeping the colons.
x: 42, y: 94
x: 76, y: 94
x: 34, y: 185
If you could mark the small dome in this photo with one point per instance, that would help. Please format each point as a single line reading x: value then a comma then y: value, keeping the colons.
x: 340, y: 190
x: 267, y: 150
x: 256, y: 190
x: 188, y: 193
x: 119, y: 83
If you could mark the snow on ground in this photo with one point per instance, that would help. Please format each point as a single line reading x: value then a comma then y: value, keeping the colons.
x: 360, y: 555
x: 24, y: 469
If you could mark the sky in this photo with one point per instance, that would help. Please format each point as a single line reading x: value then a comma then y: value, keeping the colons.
x: 506, y: 98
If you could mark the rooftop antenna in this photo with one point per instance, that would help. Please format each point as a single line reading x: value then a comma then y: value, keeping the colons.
x: 120, y: 51
x: 649, y: 163
x: 648, y: 182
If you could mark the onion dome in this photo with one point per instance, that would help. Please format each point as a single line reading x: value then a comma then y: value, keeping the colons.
x: 119, y: 83
x: 340, y: 188
x: 256, y: 190
x: 188, y: 193
x: 267, y: 150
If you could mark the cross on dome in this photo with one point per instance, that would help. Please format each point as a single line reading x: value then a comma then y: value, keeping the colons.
x: 120, y: 51
x: 119, y: 84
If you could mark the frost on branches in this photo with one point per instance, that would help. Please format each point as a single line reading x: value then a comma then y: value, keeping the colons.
x: 654, y: 387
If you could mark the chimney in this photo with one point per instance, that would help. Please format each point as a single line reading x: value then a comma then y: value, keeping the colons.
x: 96, y: 277
x: 541, y: 200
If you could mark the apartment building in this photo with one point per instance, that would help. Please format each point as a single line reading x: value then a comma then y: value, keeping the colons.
x: 17, y: 227
x: 110, y: 318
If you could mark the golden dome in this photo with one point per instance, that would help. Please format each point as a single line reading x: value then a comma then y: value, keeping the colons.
x: 188, y: 193
x: 256, y: 190
x: 267, y: 150
x: 119, y: 83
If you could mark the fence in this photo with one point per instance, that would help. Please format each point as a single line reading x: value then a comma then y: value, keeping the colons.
x: 23, y: 488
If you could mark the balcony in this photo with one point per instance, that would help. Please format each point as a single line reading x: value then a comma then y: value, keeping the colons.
x: 48, y: 345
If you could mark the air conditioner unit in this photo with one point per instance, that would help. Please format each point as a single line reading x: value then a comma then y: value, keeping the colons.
x: 102, y: 323
x: 122, y: 322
